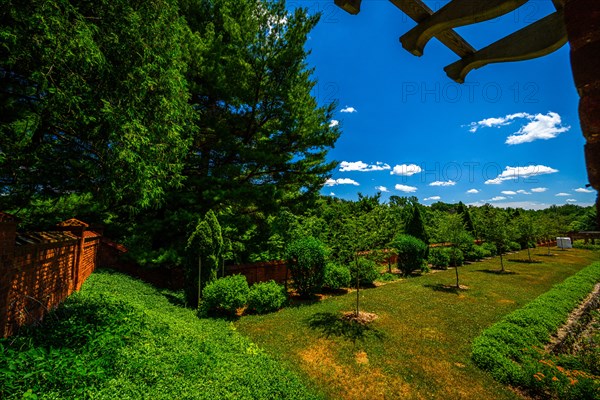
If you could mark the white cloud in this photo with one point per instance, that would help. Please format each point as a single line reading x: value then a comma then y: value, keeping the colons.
x: 472, y: 191
x: 349, y: 110
x: 562, y: 194
x: 432, y: 198
x: 584, y: 190
x: 406, y: 170
x: 382, y: 189
x: 571, y: 201
x: 521, y: 172
x: 332, y: 194
x: 523, y: 192
x: 496, y: 122
x: 440, y: 183
x: 405, y: 188
x: 508, y: 192
x: 359, y: 166
x: 333, y: 123
x: 498, y: 198
x: 539, y: 190
x: 540, y: 126
x: 341, y: 181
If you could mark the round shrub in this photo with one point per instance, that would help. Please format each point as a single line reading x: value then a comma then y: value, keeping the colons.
x: 411, y: 253
x: 491, y: 247
x: 225, y: 295
x: 439, y: 258
x: 306, y: 261
x: 367, y: 271
x: 265, y: 297
x: 337, y: 276
x: 513, y: 246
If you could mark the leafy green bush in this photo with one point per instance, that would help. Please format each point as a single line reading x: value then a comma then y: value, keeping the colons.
x: 513, y: 246
x: 337, y: 276
x: 368, y: 271
x: 411, y: 253
x: 508, y: 349
x: 265, y: 297
x: 306, y: 261
x: 225, y: 295
x: 439, y: 257
x: 477, y: 253
x: 581, y: 245
x: 491, y: 247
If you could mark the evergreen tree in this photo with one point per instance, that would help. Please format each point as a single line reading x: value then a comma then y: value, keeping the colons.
x: 466, y: 217
x: 415, y: 226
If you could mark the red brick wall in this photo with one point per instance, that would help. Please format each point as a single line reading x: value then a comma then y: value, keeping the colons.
x: 37, y: 277
x: 260, y: 272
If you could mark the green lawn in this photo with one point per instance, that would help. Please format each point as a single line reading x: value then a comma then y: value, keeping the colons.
x: 122, y: 339
x: 420, y: 345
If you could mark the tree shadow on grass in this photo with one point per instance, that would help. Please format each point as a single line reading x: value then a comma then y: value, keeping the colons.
x: 332, y: 324
x: 438, y: 287
x: 497, y: 272
x: 522, y: 261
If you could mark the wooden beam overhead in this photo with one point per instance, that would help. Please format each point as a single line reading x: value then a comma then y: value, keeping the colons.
x: 418, y: 11
x: 454, y: 14
x: 536, y: 40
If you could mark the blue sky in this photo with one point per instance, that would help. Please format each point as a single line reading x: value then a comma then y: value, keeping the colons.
x: 509, y: 136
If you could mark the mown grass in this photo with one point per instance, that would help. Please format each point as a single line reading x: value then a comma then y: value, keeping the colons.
x: 420, y: 345
x: 122, y: 339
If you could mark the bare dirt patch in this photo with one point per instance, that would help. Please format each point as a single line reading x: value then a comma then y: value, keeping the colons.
x: 562, y: 339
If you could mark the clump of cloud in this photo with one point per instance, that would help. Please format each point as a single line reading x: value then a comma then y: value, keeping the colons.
x: 529, y: 171
x: 443, y: 183
x: 540, y: 126
x: 472, y: 191
x: 341, y: 181
x: 359, y: 166
x: 406, y: 170
x: 432, y: 198
x: 405, y: 188
x: 349, y: 110
x: 382, y: 189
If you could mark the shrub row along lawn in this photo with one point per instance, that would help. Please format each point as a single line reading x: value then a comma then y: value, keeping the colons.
x: 420, y: 345
x: 512, y: 348
x: 122, y: 339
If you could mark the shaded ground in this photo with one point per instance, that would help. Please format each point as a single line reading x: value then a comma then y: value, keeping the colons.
x: 419, y: 346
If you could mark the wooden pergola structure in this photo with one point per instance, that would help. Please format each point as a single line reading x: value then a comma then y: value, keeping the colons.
x: 575, y: 21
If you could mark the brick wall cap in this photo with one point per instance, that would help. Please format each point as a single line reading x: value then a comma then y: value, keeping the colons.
x: 73, y: 222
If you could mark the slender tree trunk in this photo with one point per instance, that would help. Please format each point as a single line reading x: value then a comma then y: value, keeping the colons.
x: 501, y: 262
x: 357, y: 285
x: 199, y: 279
x: 529, y: 252
x: 548, y: 245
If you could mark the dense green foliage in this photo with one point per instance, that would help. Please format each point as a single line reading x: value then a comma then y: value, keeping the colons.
x: 306, y: 261
x: 225, y: 295
x: 411, y: 253
x: 364, y: 271
x: 510, y: 348
x: 337, y: 276
x: 265, y: 297
x: 119, y: 338
x: 439, y: 257
x: 415, y: 226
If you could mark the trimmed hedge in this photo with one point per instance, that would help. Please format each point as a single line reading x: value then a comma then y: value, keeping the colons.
x: 225, y: 295
x: 266, y: 297
x: 510, y: 349
x: 337, y: 276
